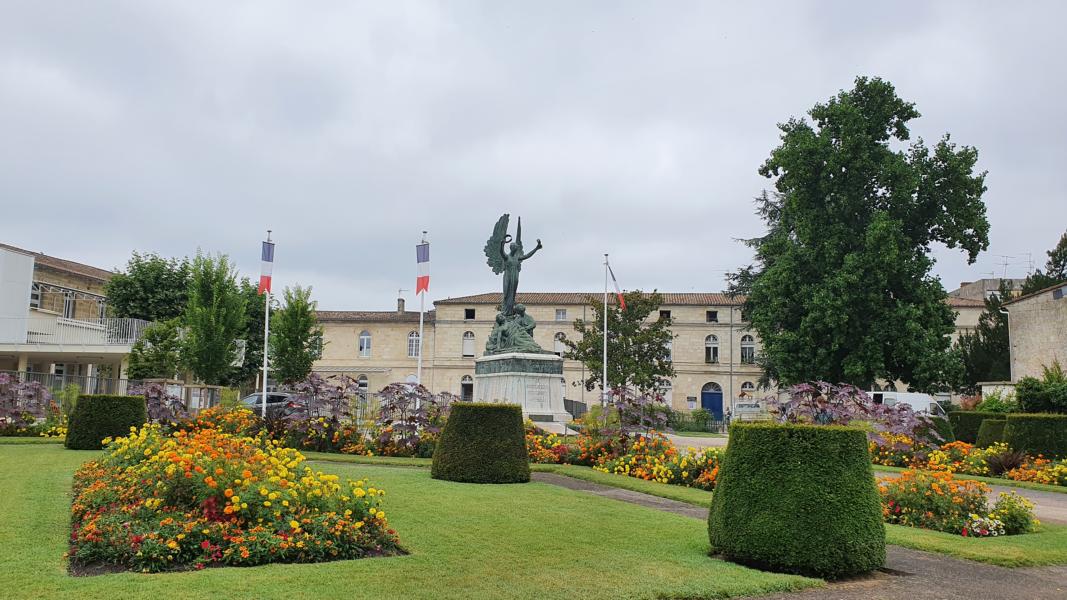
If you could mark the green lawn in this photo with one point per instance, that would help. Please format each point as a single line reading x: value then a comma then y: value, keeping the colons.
x: 4, y: 441
x: 466, y: 541
x: 1045, y: 547
x: 1048, y: 546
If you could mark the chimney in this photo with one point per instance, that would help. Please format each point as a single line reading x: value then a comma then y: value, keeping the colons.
x: 400, y: 306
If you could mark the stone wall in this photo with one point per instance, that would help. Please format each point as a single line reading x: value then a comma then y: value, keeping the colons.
x: 1037, y: 328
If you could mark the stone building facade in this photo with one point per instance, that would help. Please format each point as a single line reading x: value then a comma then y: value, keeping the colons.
x: 1037, y: 331
x: 713, y: 351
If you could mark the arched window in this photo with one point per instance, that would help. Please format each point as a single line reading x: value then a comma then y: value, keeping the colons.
x: 413, y: 344
x: 711, y: 349
x: 711, y: 386
x: 466, y: 388
x: 362, y: 387
x: 364, y: 343
x: 747, y: 388
x: 468, y: 344
x: 557, y: 344
x: 748, y: 350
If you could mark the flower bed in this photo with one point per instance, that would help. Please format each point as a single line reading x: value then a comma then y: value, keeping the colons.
x: 650, y: 457
x: 998, y: 460
x: 937, y: 500
x: 204, y: 497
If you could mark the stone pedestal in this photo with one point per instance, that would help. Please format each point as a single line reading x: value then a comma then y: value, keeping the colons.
x: 533, y: 381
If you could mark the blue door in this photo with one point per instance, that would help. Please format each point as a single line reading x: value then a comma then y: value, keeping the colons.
x: 712, y: 402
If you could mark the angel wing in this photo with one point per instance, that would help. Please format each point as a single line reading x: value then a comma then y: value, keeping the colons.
x: 493, y: 251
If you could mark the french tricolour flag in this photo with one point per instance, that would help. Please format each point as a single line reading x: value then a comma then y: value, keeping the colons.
x: 422, y: 257
x: 268, y: 266
x: 618, y: 292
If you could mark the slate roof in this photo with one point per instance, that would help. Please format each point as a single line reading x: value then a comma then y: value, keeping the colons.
x: 543, y: 298
x: 669, y: 298
x: 373, y: 316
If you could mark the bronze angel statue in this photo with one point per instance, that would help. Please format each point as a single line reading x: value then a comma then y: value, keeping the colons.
x: 507, y: 260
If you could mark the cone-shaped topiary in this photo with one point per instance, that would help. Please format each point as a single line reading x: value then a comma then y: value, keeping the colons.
x: 798, y: 499
x: 482, y: 443
x: 97, y: 416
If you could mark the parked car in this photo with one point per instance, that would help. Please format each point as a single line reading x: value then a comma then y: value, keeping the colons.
x: 279, y: 404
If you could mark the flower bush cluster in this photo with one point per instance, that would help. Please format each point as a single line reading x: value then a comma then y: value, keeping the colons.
x: 998, y: 460
x: 655, y: 458
x: 650, y: 457
x: 937, y: 500
x: 205, y: 497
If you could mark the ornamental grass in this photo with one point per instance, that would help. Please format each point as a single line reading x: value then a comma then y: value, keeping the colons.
x: 204, y: 497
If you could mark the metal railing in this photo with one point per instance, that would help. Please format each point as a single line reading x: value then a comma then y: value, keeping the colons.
x: 85, y: 385
x: 49, y: 330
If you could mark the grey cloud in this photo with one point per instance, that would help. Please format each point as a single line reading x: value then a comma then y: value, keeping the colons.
x: 348, y: 128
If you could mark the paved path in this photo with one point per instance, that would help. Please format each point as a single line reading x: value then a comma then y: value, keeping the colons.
x: 908, y: 574
x: 682, y: 441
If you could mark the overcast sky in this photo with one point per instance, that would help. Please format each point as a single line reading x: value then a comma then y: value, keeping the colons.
x: 630, y: 128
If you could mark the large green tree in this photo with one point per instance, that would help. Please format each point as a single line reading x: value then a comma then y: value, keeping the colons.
x: 639, y: 354
x: 157, y: 355
x: 214, y: 319
x: 295, y: 336
x: 984, y: 352
x: 1055, y: 269
x: 151, y: 288
x: 252, y: 333
x: 841, y: 288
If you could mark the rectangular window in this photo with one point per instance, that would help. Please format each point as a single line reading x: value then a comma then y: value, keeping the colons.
x: 468, y: 347
x: 711, y: 354
x: 35, y: 296
x: 664, y: 314
x: 713, y: 316
x: 468, y: 314
x: 561, y: 314
x: 748, y: 355
x: 69, y: 305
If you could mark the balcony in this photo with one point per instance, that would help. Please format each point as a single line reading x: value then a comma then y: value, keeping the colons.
x: 42, y: 329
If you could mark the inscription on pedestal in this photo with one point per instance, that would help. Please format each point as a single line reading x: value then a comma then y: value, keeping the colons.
x: 537, y: 393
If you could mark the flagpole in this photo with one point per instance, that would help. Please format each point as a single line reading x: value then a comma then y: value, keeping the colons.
x: 604, y: 397
x: 422, y: 312
x: 266, y: 341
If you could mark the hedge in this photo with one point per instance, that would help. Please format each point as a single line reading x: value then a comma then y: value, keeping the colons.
x: 97, y: 416
x: 1037, y: 434
x: 482, y: 443
x: 965, y: 423
x: 990, y: 432
x: 799, y: 499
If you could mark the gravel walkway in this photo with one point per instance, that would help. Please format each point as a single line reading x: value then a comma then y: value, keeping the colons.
x: 908, y: 574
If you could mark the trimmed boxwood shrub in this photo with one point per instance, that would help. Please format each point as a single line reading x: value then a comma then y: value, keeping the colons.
x: 990, y: 432
x: 97, y: 416
x: 482, y: 443
x: 1037, y: 434
x: 798, y: 499
x: 965, y: 423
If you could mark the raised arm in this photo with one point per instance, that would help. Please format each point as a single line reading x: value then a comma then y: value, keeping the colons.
x: 532, y: 252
